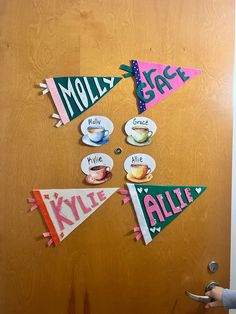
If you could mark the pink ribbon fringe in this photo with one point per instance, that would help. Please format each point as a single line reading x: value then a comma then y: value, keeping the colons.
x: 48, y: 235
x: 139, y: 235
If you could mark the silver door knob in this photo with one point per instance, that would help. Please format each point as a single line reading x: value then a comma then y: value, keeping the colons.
x: 203, y: 298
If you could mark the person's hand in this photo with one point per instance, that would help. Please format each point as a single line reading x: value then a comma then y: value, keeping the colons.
x: 217, y: 294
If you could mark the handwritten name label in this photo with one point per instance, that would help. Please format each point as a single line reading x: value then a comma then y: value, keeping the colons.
x: 94, y: 160
x: 94, y: 121
x: 136, y: 159
x: 140, y: 122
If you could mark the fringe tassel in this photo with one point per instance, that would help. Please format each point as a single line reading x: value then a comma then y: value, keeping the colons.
x: 127, y: 198
x: 56, y: 116
x: 139, y: 235
x: 32, y: 200
x: 48, y: 235
x: 124, y: 192
x: 35, y: 206
x: 45, y: 90
x: 128, y: 69
x: 50, y: 242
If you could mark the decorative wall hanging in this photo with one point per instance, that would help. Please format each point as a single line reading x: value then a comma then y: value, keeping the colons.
x: 139, y: 168
x: 96, y: 130
x: 97, y: 167
x: 140, y: 131
x: 155, y: 81
x: 65, y: 209
x: 157, y: 206
x: 72, y: 95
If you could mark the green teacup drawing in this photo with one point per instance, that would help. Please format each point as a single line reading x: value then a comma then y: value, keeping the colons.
x: 141, y: 134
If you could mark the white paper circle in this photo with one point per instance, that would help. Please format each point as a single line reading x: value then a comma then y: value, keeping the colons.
x: 96, y: 159
x: 140, y: 122
x: 141, y: 159
x: 97, y: 121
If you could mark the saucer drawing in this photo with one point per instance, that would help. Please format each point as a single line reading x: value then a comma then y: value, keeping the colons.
x: 131, y: 141
x: 86, y: 140
x: 147, y: 178
x: 91, y: 180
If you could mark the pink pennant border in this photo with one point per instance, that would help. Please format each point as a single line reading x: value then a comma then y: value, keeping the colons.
x: 57, y: 100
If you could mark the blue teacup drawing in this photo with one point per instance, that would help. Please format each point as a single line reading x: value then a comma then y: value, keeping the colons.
x: 97, y: 133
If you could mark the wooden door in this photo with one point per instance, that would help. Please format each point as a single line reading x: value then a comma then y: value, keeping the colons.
x: 99, y: 268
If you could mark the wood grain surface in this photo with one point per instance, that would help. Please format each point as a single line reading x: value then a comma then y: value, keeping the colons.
x: 99, y: 268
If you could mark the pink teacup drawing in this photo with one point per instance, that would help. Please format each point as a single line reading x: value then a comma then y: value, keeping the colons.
x: 99, y: 172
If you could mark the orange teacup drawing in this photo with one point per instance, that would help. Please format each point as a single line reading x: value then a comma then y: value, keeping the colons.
x: 139, y: 171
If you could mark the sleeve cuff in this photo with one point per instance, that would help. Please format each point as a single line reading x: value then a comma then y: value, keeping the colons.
x: 229, y: 299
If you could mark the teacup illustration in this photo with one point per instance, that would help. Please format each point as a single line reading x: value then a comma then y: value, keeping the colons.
x: 99, y: 172
x: 141, y: 133
x: 139, y: 171
x: 97, y: 133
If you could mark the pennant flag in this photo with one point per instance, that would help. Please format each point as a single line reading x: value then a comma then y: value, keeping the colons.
x: 157, y: 206
x: 73, y: 95
x: 65, y: 209
x: 155, y: 81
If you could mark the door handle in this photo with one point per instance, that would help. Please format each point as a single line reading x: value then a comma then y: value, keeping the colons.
x: 203, y: 298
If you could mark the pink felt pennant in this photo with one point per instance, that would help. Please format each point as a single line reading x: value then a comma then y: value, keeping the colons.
x: 156, y: 81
